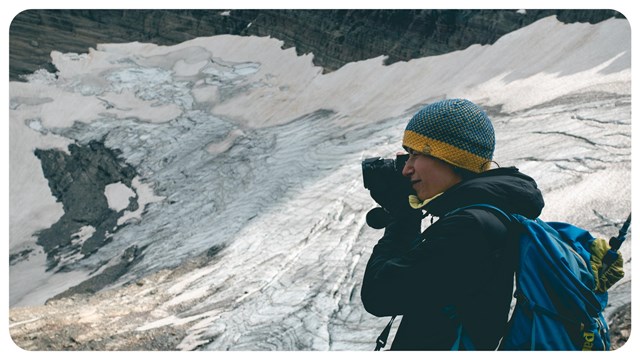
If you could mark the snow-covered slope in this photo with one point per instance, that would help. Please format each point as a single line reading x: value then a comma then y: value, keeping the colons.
x: 248, y: 231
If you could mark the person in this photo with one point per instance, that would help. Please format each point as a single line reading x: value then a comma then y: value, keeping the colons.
x: 460, y: 270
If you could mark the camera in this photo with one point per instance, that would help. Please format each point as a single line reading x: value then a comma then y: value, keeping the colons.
x: 387, y: 186
x: 380, y: 174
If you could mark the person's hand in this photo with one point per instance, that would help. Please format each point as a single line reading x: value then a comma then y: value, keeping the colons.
x: 613, y: 274
x: 394, y: 197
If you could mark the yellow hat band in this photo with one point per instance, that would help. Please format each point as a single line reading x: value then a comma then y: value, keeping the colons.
x: 446, y: 152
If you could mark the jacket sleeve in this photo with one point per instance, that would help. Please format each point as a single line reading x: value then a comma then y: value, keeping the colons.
x: 451, y: 259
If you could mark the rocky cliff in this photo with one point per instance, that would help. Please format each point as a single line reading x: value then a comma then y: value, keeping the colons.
x: 335, y: 37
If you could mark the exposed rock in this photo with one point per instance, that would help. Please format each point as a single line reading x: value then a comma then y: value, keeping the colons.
x: 112, y: 319
x: 109, y: 275
x: 620, y: 326
x: 335, y: 37
x: 78, y: 180
x: 104, y: 321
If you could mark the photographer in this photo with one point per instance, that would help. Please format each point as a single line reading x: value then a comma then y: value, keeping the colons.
x: 459, y: 271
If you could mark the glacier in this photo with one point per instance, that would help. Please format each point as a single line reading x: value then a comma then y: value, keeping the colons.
x: 244, y: 225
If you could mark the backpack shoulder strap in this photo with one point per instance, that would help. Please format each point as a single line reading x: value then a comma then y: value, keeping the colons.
x: 511, y: 221
x: 481, y: 205
x: 463, y: 340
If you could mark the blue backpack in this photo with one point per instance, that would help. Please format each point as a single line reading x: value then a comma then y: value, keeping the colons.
x: 556, y: 306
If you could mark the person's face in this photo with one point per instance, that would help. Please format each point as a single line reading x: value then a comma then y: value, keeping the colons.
x: 429, y: 176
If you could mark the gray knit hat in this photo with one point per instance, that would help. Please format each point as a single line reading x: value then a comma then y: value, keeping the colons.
x: 454, y: 130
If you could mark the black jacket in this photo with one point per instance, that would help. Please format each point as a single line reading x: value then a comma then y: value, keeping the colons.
x: 465, y: 260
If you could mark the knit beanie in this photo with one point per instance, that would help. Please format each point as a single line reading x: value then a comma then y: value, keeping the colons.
x: 454, y: 130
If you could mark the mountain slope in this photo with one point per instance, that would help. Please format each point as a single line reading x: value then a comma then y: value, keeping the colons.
x: 245, y: 230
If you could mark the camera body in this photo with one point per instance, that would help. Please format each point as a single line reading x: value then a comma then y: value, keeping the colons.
x: 379, y: 174
x: 388, y: 187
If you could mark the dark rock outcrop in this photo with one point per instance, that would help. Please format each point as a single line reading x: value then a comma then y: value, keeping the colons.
x: 335, y: 37
x: 78, y: 180
x: 110, y: 274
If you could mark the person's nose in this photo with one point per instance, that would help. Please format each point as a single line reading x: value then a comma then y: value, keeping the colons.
x: 407, y: 170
